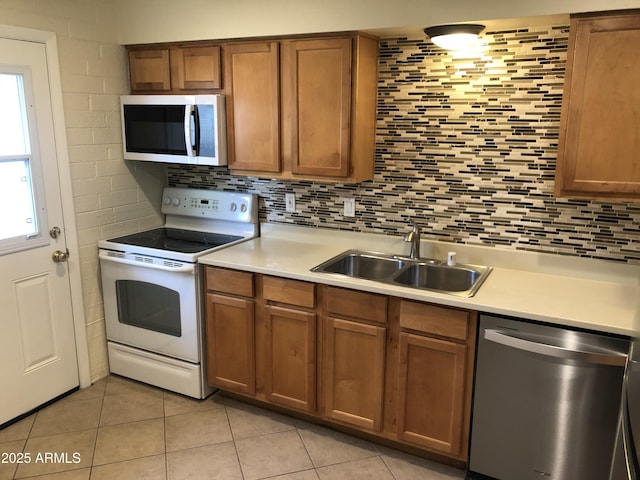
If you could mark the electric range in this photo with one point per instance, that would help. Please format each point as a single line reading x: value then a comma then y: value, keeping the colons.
x: 152, y: 287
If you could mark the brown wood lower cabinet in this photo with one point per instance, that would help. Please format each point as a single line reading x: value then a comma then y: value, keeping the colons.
x: 231, y: 343
x: 435, y: 358
x: 392, y: 368
x: 353, y: 373
x: 431, y: 380
x: 291, y: 357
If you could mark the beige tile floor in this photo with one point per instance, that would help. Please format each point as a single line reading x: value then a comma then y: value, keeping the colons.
x: 121, y: 429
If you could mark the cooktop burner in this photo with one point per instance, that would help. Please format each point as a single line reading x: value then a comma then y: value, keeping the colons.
x: 176, y: 240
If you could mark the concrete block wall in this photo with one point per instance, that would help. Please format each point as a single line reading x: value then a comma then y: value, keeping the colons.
x: 111, y: 197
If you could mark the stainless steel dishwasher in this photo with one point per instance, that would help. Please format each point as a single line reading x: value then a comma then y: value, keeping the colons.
x: 546, y: 402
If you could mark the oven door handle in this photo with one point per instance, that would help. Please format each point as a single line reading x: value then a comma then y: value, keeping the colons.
x: 189, y: 268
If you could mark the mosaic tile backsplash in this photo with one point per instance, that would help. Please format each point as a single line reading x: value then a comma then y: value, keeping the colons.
x: 466, y: 148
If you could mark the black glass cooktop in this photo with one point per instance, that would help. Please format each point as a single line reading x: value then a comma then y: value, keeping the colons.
x: 176, y: 240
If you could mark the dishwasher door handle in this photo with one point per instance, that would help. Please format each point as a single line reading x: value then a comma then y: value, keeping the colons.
x: 600, y: 358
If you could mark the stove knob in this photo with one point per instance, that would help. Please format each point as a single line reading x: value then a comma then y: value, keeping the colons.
x: 243, y: 207
x: 167, y: 201
x: 234, y: 207
x: 176, y: 202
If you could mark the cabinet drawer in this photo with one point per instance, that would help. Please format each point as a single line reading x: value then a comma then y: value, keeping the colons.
x: 292, y: 292
x: 446, y: 322
x: 360, y: 305
x: 230, y: 281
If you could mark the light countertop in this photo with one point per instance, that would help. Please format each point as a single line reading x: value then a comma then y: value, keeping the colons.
x: 585, y: 293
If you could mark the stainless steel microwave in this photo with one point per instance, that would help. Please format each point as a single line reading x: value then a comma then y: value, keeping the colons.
x: 174, y: 128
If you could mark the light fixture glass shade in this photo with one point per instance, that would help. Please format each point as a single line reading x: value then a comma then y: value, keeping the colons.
x: 454, y: 37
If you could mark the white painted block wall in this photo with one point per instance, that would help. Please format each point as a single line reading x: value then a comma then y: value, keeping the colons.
x: 111, y: 197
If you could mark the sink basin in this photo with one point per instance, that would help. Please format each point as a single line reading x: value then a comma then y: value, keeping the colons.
x: 365, y: 265
x: 442, y: 277
x: 425, y: 274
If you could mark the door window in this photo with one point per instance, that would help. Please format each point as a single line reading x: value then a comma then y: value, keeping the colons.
x: 20, y: 193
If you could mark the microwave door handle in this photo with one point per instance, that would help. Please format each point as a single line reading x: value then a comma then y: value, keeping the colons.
x: 189, y: 112
x: 196, y: 129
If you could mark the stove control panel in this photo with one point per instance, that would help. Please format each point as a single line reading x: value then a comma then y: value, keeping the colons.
x: 211, y: 204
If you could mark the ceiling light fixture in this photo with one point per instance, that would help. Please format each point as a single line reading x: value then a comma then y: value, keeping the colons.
x: 454, y: 37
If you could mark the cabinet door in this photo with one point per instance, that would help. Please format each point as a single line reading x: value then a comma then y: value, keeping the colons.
x: 253, y: 106
x: 291, y: 355
x: 354, y: 373
x: 316, y: 94
x: 195, y: 68
x: 431, y: 392
x: 230, y: 341
x: 599, y: 135
x: 149, y: 70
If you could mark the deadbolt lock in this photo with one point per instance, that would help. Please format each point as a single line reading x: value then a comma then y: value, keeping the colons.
x: 60, y: 256
x: 54, y: 232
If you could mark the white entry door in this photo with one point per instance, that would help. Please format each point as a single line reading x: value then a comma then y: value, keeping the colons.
x: 37, y: 343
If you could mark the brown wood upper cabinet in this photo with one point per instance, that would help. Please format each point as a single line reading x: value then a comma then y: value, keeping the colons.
x: 303, y: 108
x: 599, y: 143
x: 195, y: 68
x: 253, y: 103
x: 149, y: 70
x: 175, y: 69
x: 316, y: 105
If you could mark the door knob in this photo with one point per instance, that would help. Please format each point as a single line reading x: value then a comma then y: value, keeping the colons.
x: 60, y: 256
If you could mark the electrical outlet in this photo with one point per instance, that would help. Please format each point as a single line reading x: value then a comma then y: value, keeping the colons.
x: 290, y: 202
x: 349, y: 207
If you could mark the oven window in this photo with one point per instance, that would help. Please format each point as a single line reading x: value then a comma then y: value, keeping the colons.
x: 149, y: 306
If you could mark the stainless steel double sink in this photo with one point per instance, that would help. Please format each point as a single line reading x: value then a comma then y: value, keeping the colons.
x: 421, y: 273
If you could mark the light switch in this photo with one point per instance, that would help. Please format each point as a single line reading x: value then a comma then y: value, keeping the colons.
x: 290, y: 202
x: 349, y: 207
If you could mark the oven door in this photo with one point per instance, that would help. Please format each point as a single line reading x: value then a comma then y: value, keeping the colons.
x: 151, y: 303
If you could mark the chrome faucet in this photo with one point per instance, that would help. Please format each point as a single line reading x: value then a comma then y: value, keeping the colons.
x: 413, y: 237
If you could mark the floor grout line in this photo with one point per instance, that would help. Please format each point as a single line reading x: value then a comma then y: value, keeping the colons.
x: 253, y: 421
x: 95, y: 443
x: 233, y: 437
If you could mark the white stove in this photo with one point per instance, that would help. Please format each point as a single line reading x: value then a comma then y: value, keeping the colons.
x: 197, y: 222
x: 152, y: 287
